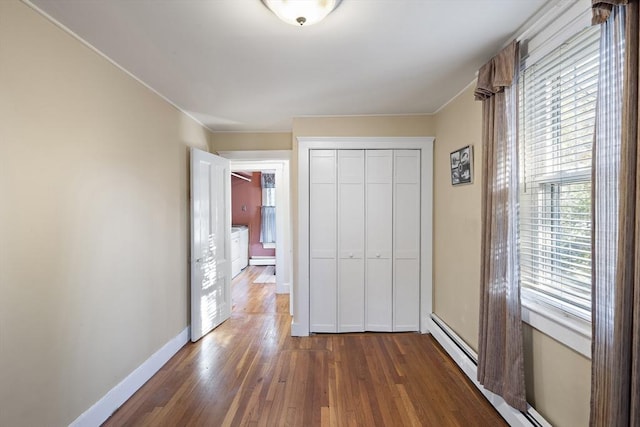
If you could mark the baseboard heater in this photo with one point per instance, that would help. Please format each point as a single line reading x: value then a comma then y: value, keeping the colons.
x: 262, y: 260
x: 467, y: 359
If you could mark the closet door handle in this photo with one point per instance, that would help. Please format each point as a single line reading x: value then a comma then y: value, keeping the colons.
x: 377, y: 255
x: 350, y: 255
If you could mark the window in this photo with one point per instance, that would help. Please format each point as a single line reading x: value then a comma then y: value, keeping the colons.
x: 268, y: 184
x: 557, y: 116
x: 268, y: 210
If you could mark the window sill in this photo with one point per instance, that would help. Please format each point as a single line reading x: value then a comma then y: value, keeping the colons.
x: 572, y: 332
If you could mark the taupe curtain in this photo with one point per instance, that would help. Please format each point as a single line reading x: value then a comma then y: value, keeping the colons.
x: 500, y: 355
x: 615, y: 384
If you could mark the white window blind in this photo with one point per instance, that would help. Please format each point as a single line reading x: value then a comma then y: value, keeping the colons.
x: 557, y: 115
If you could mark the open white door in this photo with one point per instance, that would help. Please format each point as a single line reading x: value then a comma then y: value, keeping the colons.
x: 210, y: 242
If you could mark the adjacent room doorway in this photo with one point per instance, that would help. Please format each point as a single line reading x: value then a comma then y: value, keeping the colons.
x: 250, y: 164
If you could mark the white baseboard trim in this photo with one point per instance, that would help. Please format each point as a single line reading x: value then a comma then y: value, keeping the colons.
x: 298, y: 331
x: 466, y: 359
x: 107, y: 405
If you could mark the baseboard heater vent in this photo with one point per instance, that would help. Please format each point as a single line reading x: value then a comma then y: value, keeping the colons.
x: 467, y: 359
x: 262, y: 260
x: 456, y: 340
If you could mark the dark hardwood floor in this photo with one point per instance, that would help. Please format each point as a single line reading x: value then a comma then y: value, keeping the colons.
x: 250, y: 371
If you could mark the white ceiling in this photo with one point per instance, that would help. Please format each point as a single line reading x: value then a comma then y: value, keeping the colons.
x: 234, y: 66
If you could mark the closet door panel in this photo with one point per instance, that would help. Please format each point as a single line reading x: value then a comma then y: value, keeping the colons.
x: 379, y: 294
x: 351, y: 204
x: 351, y: 240
x: 379, y: 240
x: 406, y: 235
x: 322, y: 295
x: 379, y: 210
x: 322, y: 241
x: 351, y: 295
x: 364, y: 240
x: 406, y: 310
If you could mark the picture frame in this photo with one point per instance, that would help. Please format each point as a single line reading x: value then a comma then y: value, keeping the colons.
x: 462, y: 166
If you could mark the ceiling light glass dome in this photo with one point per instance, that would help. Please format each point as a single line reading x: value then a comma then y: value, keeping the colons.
x: 301, y: 12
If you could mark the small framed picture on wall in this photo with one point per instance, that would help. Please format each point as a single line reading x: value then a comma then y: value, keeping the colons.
x: 462, y: 166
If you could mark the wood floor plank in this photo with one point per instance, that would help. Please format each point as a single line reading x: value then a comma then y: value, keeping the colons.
x: 250, y: 372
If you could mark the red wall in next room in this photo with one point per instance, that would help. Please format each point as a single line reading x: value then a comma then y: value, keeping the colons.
x: 249, y: 195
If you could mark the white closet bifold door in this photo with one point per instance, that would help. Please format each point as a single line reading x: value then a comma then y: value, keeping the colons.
x: 350, y: 240
x: 322, y: 241
x: 379, y: 244
x: 406, y: 241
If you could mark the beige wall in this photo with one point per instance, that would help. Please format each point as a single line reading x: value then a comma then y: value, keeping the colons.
x: 558, y: 380
x: 456, y: 218
x: 557, y: 377
x: 250, y: 141
x: 411, y: 125
x: 93, y: 222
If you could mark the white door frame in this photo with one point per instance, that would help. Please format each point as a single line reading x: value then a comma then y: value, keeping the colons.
x: 300, y: 290
x: 279, y: 162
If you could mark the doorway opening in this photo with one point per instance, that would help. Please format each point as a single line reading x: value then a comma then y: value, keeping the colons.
x: 253, y: 219
x: 250, y: 203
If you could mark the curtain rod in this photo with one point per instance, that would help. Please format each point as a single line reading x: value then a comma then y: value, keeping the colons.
x: 237, y: 175
x: 544, y: 17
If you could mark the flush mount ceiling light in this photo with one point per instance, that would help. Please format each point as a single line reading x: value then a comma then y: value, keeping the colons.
x: 301, y: 12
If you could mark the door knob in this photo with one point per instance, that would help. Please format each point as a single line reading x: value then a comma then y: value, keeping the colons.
x: 350, y: 255
x: 377, y: 255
